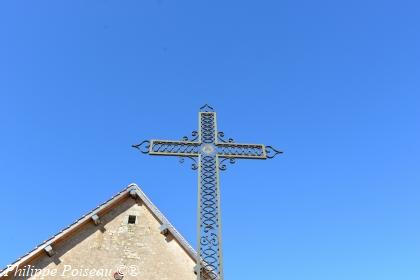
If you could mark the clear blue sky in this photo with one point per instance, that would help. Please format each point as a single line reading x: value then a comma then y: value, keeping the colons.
x: 335, y: 84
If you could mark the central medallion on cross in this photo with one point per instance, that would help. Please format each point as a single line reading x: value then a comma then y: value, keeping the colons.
x: 208, y: 149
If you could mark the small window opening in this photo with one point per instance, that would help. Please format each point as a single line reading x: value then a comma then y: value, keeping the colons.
x: 132, y: 219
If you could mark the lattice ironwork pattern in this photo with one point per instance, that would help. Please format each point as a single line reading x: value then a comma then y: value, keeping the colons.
x: 210, y: 249
x: 241, y: 150
x: 209, y: 230
x: 181, y: 148
x: 212, y: 151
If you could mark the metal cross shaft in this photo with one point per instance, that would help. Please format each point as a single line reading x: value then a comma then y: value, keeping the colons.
x: 208, y: 150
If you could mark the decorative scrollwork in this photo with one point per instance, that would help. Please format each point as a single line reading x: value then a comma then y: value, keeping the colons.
x: 194, y: 137
x: 194, y: 165
x: 222, y: 165
x: 220, y: 137
x: 143, y: 146
x: 271, y: 152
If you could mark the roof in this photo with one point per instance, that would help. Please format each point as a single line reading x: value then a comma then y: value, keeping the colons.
x: 130, y: 190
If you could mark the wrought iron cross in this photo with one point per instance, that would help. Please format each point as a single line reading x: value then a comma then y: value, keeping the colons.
x: 209, y: 150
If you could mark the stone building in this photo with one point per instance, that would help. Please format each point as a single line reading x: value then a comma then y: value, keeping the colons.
x: 126, y: 237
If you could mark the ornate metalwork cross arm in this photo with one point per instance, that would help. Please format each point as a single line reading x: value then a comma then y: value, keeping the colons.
x: 209, y: 151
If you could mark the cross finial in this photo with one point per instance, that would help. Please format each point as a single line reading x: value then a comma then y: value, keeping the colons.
x: 206, y: 108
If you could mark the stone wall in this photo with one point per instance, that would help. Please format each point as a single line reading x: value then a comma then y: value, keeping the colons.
x: 98, y: 251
